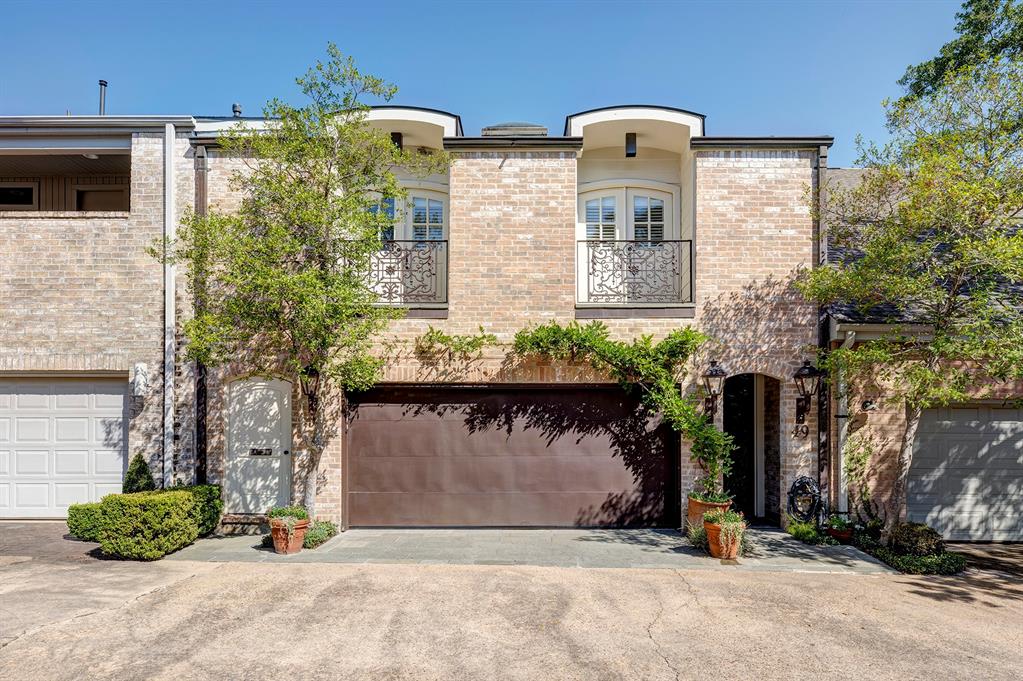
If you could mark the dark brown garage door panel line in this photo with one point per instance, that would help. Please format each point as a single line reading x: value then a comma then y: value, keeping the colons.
x: 507, y: 457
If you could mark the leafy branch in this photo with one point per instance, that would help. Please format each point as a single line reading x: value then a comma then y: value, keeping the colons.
x: 463, y: 346
x: 654, y: 370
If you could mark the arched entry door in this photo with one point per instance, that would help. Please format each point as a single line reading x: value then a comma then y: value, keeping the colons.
x: 751, y: 413
x: 258, y: 473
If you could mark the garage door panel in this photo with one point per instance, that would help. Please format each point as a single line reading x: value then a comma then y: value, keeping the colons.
x: 31, y: 462
x: 508, y: 474
x: 71, y: 429
x: 67, y: 493
x: 65, y: 443
x: 70, y: 462
x: 35, y: 496
x: 456, y: 457
x: 552, y: 509
x: 31, y: 429
x: 5, y: 495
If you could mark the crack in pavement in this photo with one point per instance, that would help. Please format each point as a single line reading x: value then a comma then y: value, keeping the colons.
x: 660, y: 649
x: 689, y: 587
x: 35, y: 630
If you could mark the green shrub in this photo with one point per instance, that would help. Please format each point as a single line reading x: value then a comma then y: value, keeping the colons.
x: 720, y: 516
x: 837, y: 522
x: 697, y: 536
x: 319, y: 532
x: 148, y: 525
x: 138, y: 478
x: 942, y: 563
x: 808, y: 533
x: 296, y: 512
x: 208, y: 506
x: 916, y: 539
x: 84, y: 521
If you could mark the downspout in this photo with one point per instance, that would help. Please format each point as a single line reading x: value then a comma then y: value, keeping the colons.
x: 823, y: 331
x: 169, y: 232
x: 843, y: 430
x: 201, y: 202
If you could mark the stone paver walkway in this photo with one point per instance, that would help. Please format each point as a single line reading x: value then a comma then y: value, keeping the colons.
x: 772, y: 550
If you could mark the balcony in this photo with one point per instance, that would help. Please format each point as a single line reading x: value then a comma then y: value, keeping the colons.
x: 411, y: 273
x: 654, y: 274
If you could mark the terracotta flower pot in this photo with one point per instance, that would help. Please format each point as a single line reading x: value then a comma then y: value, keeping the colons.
x: 696, y: 509
x: 713, y: 531
x: 283, y: 543
x: 844, y: 536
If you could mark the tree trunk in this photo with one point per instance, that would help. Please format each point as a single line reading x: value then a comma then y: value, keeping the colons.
x: 897, y: 501
x: 315, y: 451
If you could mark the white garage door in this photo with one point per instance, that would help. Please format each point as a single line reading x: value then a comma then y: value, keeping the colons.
x: 62, y: 442
x: 967, y: 474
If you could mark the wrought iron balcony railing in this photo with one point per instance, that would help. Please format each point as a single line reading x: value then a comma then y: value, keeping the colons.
x: 410, y: 273
x: 635, y: 272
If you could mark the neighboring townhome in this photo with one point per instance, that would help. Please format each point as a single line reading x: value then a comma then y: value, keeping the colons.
x: 633, y: 216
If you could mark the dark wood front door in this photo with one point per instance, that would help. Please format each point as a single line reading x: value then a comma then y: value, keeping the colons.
x: 554, y: 457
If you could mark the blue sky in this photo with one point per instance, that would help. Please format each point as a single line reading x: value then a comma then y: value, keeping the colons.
x: 758, y: 68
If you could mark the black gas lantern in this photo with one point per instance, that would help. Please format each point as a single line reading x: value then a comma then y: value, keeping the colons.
x: 714, y: 383
x: 808, y: 380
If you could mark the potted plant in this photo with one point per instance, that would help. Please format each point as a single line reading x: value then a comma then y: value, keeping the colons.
x: 840, y: 528
x: 725, y: 530
x: 712, y: 451
x: 288, y: 525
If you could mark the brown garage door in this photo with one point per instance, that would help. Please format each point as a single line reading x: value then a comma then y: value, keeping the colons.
x: 510, y: 457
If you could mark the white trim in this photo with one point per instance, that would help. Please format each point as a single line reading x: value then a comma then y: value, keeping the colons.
x: 578, y: 123
x: 34, y: 186
x: 759, y: 448
x: 62, y: 145
x: 447, y: 123
x: 624, y: 185
x: 169, y: 233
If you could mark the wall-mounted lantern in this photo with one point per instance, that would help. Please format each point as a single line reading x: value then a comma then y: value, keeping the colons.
x: 398, y: 140
x: 808, y: 380
x: 311, y: 383
x: 714, y: 382
x: 630, y: 145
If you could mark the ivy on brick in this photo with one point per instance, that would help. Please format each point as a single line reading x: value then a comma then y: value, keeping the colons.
x: 652, y: 369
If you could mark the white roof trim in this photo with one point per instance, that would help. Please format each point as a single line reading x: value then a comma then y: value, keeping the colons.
x: 448, y: 123
x: 578, y: 122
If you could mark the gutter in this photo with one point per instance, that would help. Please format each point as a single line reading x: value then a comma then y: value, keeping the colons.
x: 514, y: 142
x: 761, y: 142
x: 169, y: 233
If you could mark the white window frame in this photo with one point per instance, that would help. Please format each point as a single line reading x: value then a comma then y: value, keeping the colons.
x: 34, y: 186
x: 621, y: 189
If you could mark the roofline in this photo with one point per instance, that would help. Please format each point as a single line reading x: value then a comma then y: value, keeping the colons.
x: 568, y: 118
x: 768, y: 142
x: 77, y: 122
x: 458, y: 119
x: 516, y: 141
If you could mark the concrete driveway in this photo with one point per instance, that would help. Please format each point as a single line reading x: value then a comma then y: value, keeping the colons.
x: 184, y: 619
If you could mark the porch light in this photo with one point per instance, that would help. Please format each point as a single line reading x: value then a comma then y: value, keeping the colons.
x: 311, y: 381
x: 714, y: 382
x: 808, y: 380
x: 630, y: 145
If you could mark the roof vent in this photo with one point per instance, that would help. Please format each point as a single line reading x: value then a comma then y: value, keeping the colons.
x: 515, y: 129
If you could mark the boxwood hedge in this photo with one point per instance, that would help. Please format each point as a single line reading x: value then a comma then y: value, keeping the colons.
x: 84, y: 521
x: 148, y: 525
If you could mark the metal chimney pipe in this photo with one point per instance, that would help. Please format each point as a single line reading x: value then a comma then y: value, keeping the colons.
x: 102, y: 97
x: 236, y: 110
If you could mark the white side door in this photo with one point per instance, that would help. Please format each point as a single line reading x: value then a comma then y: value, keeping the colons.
x: 258, y: 472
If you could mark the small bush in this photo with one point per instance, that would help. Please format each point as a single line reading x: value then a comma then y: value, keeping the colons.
x: 84, y: 521
x: 296, y: 512
x: 808, y: 533
x: 148, y: 525
x: 916, y: 539
x: 319, y: 532
x: 208, y: 506
x: 138, y: 478
x: 943, y: 563
x: 837, y: 522
x: 697, y: 536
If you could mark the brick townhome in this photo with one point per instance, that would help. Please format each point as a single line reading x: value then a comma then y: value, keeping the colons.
x: 633, y: 216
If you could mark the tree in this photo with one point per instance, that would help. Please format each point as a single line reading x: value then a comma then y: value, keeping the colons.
x: 280, y: 286
x: 987, y: 29
x: 933, y: 245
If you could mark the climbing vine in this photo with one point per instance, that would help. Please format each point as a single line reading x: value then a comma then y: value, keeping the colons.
x: 654, y: 369
x: 463, y: 346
